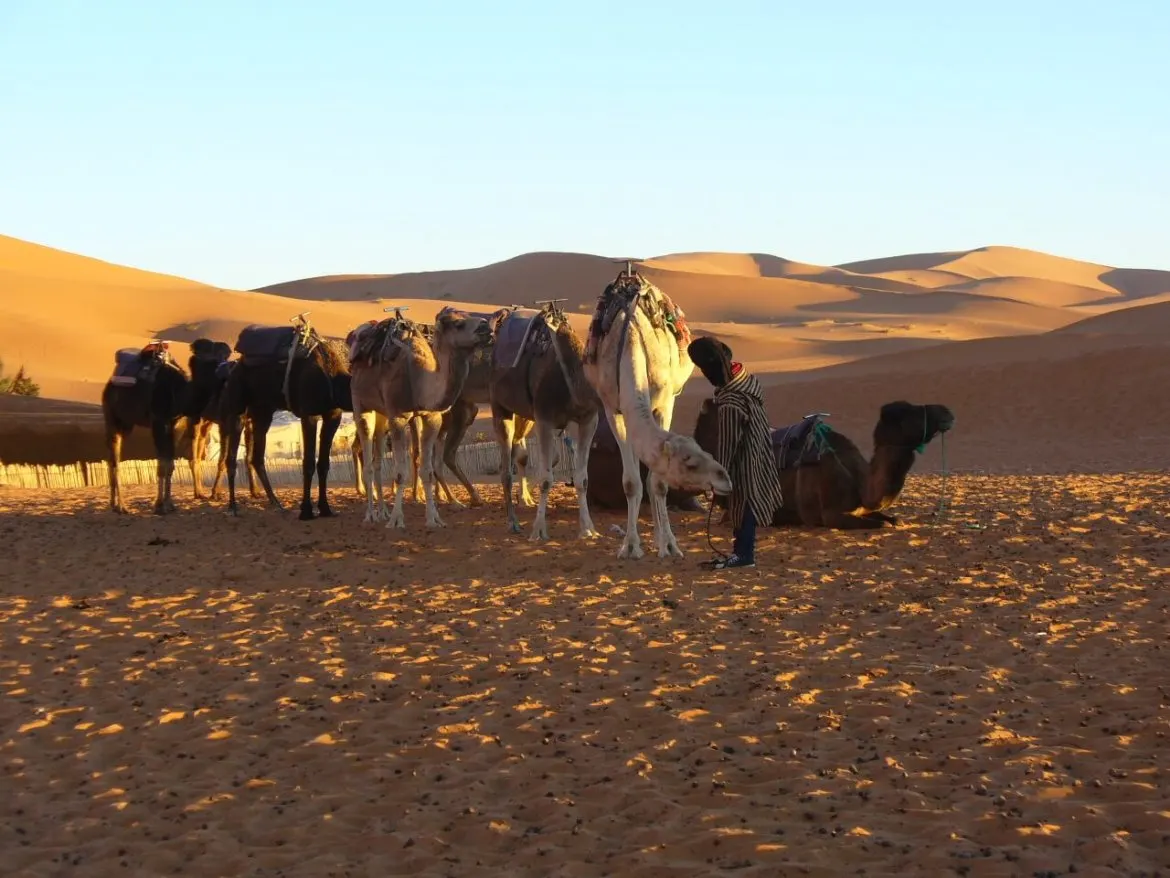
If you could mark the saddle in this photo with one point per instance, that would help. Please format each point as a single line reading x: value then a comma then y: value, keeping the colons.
x: 383, y: 340
x: 273, y: 344
x: 519, y: 331
x: 801, y: 444
x: 655, y: 304
x: 134, y: 365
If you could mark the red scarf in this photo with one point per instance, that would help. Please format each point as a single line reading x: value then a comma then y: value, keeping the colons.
x: 736, y: 368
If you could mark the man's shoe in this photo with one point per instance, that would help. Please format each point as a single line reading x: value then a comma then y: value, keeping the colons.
x: 732, y: 561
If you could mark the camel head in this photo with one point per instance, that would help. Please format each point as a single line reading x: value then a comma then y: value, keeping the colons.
x: 911, y: 426
x: 206, y: 357
x: 460, y: 330
x: 684, y: 465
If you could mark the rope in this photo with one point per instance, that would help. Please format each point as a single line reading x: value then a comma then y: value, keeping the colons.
x: 722, y: 556
x: 941, y: 511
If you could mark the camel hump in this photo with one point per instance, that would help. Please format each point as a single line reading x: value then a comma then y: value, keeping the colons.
x: 257, y: 342
x: 513, y: 335
x: 800, y: 444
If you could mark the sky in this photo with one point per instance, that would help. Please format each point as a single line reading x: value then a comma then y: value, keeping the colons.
x: 244, y: 143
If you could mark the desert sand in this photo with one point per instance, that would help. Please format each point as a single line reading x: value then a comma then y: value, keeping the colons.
x: 981, y: 690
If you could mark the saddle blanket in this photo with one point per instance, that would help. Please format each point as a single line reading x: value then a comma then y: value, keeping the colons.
x: 800, y: 444
x: 265, y: 342
x: 515, y: 335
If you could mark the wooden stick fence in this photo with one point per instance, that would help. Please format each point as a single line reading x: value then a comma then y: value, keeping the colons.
x: 477, y: 460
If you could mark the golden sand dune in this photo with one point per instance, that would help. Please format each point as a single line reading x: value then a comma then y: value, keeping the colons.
x: 1014, y: 262
x: 63, y: 315
x: 979, y: 693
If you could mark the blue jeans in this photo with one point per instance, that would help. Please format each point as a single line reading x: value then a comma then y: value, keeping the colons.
x: 744, y: 544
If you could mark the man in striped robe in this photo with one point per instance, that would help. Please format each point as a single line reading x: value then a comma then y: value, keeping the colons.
x: 745, y: 447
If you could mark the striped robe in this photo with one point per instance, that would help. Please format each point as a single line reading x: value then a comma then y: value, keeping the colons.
x: 745, y: 449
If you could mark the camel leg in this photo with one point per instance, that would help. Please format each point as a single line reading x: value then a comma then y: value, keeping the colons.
x: 545, y: 437
x: 400, y: 439
x: 221, y: 463
x: 377, y: 462
x: 261, y: 421
x: 366, y: 440
x: 308, y: 462
x: 520, y: 456
x: 505, y: 431
x: 416, y: 486
x: 164, y: 446
x: 233, y: 449
x: 663, y: 534
x: 583, y: 432
x: 355, y: 448
x: 631, y: 486
x: 456, y: 422
x: 249, y: 442
x: 845, y: 521
x: 114, y: 438
x: 330, y: 424
x: 200, y: 434
x: 428, y: 443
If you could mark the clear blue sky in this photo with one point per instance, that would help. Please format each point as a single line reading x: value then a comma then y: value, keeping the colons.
x: 243, y: 143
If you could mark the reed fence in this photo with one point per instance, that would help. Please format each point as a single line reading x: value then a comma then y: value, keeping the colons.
x: 477, y: 460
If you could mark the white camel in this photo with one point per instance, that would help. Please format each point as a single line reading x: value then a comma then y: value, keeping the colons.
x: 638, y: 365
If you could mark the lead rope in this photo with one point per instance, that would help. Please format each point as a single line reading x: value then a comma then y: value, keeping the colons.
x: 711, y: 511
x: 941, y: 512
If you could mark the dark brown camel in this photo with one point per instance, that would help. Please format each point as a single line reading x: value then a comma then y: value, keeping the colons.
x: 826, y: 480
x: 150, y: 389
x: 605, y: 477
x: 287, y: 368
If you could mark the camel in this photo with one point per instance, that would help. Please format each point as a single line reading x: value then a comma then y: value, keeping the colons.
x: 457, y: 420
x: 637, y: 362
x: 398, y: 374
x: 287, y: 368
x: 537, y: 374
x: 148, y: 388
x: 826, y: 480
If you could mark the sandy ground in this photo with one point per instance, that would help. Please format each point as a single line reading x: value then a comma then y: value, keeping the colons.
x: 983, y: 693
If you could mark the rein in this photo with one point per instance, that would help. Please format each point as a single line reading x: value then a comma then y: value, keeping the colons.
x: 941, y: 510
x: 710, y: 512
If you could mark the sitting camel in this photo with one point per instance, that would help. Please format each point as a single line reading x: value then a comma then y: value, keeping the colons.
x: 398, y: 374
x: 636, y: 360
x: 537, y: 376
x: 149, y: 389
x: 605, y: 477
x: 826, y: 480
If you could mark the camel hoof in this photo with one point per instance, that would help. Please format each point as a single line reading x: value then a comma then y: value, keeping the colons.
x: 588, y: 534
x: 538, y: 535
x: 476, y: 500
x: 436, y: 524
x: 119, y: 510
x: 325, y: 511
x: 160, y: 509
x: 306, y: 514
x: 630, y: 551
